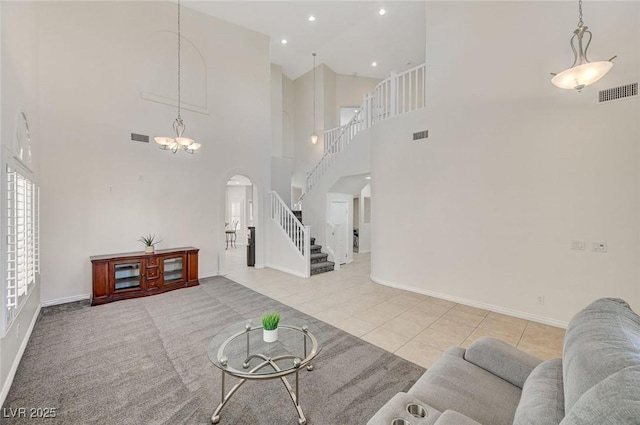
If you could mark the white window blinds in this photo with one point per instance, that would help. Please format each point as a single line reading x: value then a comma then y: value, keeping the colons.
x: 21, y: 231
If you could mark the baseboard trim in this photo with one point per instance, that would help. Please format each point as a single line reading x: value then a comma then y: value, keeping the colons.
x: 65, y: 300
x: 286, y: 270
x: 16, y: 362
x: 206, y: 275
x: 472, y: 303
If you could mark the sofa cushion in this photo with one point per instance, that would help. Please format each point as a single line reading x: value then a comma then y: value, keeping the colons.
x: 614, y: 401
x: 501, y: 359
x: 451, y: 417
x: 600, y: 340
x: 542, y: 401
x: 453, y: 383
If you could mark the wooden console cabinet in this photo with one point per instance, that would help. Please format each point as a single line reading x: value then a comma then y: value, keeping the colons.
x: 136, y: 274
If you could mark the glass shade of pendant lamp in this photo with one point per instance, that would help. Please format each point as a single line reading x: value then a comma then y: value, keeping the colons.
x: 582, y: 73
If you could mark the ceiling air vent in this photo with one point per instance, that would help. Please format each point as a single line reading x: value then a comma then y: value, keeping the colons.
x: 618, y: 92
x: 139, y: 138
x: 421, y: 135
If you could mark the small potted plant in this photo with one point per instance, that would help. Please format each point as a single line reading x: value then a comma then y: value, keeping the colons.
x: 270, y: 327
x: 149, y: 243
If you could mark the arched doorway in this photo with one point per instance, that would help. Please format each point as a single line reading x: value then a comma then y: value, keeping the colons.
x: 240, y: 221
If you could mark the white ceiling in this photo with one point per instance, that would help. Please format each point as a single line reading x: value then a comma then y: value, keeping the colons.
x: 347, y: 35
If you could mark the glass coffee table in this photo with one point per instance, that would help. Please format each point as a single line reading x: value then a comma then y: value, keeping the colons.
x: 239, y: 351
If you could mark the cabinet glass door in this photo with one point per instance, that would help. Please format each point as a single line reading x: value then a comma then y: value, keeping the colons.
x: 127, y: 275
x: 173, y: 270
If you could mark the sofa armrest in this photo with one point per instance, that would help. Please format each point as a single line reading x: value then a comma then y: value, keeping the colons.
x: 451, y: 417
x: 501, y: 359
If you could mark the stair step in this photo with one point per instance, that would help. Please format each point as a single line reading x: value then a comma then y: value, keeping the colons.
x: 319, y: 257
x: 313, y: 241
x: 315, y: 249
x: 326, y: 266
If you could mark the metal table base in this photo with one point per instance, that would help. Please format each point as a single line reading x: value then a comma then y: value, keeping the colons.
x: 295, y: 398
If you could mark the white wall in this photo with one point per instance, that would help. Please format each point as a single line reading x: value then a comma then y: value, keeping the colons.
x: 283, y: 255
x: 19, y: 88
x: 364, y: 231
x: 281, y: 170
x: 288, y: 117
x: 514, y: 169
x: 331, y: 113
x: 277, y: 148
x: 306, y: 154
x: 350, y: 90
x: 100, y: 191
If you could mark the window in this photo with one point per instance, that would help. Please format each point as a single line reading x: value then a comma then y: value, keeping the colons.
x: 21, y: 261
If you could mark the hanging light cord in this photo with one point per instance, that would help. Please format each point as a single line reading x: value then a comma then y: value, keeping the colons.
x: 314, y: 93
x: 179, y: 42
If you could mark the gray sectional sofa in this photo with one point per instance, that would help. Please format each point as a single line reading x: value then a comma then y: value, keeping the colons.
x: 597, y: 381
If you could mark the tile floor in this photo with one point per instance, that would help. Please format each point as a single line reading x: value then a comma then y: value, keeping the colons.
x: 413, y: 326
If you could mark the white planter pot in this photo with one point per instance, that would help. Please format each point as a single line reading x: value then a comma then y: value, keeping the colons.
x: 270, y: 336
x: 149, y: 249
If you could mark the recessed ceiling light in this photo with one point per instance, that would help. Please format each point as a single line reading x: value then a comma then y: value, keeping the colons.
x: 312, y: 18
x: 368, y: 177
x: 382, y: 12
x: 374, y: 64
x: 284, y: 41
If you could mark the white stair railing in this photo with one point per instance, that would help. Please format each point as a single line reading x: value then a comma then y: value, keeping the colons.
x: 289, y: 223
x: 397, y: 95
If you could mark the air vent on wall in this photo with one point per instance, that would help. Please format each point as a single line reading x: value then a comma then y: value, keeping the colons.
x: 139, y: 138
x: 618, y: 92
x: 421, y: 135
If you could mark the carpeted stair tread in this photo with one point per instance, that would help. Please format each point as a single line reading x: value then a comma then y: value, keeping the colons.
x: 319, y: 257
x: 325, y: 266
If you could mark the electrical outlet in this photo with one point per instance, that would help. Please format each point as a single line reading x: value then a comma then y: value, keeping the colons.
x: 577, y: 244
x: 18, y: 330
x: 540, y: 299
x: 600, y: 246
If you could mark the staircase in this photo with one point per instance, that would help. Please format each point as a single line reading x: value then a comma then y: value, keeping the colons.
x: 318, y: 259
x: 319, y: 262
x: 397, y: 95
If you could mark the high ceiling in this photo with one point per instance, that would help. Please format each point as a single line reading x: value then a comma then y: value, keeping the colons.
x: 346, y: 35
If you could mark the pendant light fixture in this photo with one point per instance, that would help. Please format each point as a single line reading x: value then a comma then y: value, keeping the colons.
x: 314, y: 136
x: 582, y: 72
x: 178, y: 142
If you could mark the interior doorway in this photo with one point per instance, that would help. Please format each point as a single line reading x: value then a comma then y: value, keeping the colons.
x: 239, y: 220
x: 339, y: 216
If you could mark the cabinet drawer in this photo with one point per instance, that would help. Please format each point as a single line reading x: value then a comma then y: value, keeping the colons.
x: 153, y: 273
x: 152, y: 262
x: 152, y: 283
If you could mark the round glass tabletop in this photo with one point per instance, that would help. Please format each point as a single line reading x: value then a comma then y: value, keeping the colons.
x: 240, y: 350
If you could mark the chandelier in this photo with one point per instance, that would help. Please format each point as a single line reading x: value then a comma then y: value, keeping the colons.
x: 582, y: 72
x: 178, y: 142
